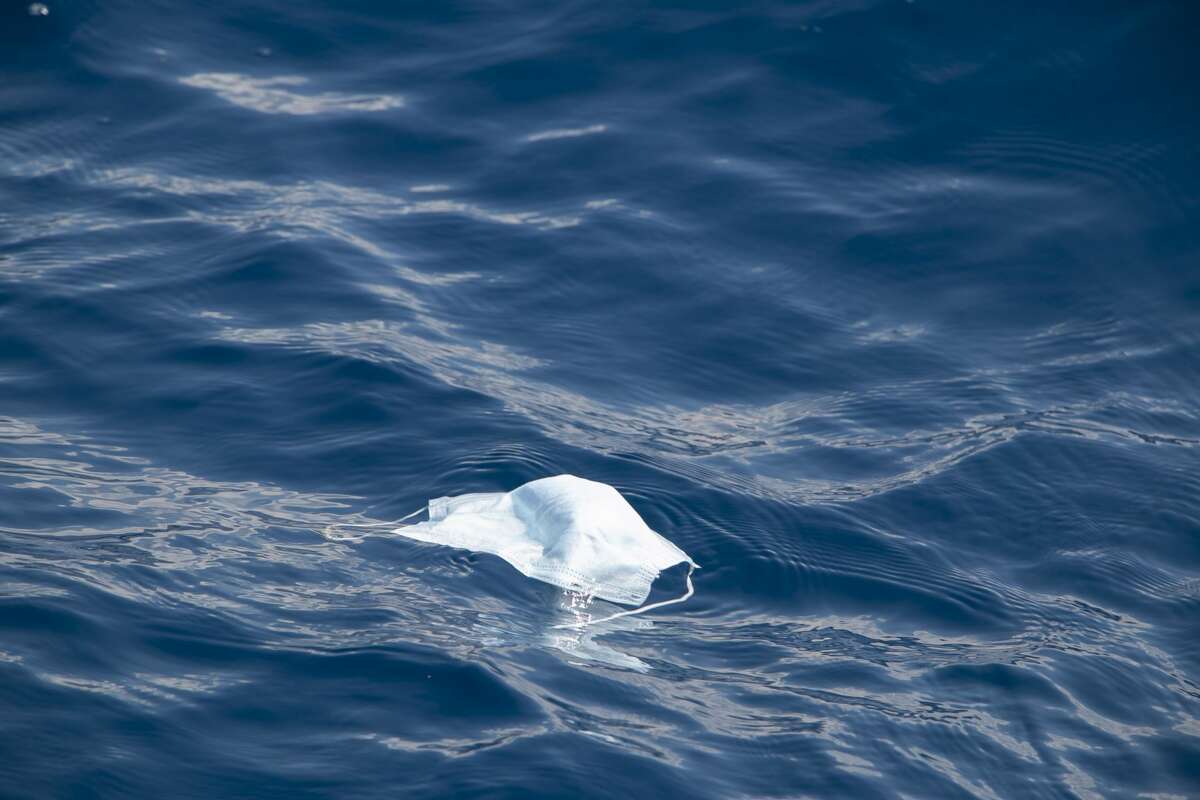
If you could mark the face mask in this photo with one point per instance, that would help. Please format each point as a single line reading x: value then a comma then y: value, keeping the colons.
x: 573, y: 533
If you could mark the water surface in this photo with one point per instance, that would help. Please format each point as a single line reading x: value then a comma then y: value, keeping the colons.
x: 885, y: 312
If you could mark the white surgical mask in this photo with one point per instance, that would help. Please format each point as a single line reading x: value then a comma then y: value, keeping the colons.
x: 573, y: 533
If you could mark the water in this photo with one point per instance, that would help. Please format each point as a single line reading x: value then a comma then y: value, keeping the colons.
x: 885, y: 312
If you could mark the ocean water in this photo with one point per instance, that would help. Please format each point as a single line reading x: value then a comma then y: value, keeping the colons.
x: 886, y: 312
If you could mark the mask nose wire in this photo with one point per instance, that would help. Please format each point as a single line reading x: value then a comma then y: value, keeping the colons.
x: 690, y: 591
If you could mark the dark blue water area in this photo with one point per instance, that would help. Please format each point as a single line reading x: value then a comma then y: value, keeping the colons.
x: 886, y: 312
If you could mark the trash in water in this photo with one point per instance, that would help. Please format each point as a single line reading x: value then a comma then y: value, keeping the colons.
x: 577, y: 534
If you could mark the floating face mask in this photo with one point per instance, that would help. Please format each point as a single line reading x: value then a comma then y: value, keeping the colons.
x: 573, y: 533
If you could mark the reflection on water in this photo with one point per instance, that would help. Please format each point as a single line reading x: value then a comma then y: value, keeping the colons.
x: 580, y: 643
x: 275, y: 95
x: 565, y: 133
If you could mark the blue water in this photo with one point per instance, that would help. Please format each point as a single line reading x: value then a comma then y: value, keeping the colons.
x: 887, y: 313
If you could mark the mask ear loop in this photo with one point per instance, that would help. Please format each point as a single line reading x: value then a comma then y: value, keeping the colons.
x: 330, y: 528
x: 690, y: 591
